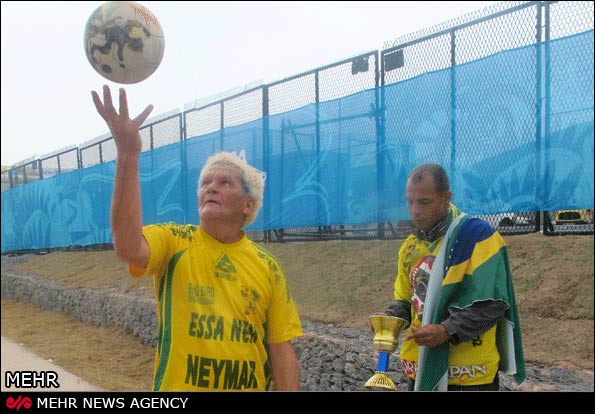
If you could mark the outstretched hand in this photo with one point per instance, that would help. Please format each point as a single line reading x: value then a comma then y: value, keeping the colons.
x: 124, y: 130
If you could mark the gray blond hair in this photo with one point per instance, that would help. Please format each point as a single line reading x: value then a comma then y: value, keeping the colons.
x: 252, y: 182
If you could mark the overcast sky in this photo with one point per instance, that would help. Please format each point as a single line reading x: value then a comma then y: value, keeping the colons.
x: 210, y: 48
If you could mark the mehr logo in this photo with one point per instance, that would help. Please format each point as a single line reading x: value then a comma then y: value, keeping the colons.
x: 225, y: 269
x: 18, y: 403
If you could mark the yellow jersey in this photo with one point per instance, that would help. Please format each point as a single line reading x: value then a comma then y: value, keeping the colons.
x: 219, y: 306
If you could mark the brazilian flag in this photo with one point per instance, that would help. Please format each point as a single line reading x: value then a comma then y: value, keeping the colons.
x: 491, y: 279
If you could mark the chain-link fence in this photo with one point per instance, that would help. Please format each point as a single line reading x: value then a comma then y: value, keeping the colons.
x: 444, y: 49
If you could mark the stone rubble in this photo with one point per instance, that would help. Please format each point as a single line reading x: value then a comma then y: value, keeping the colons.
x: 331, y: 358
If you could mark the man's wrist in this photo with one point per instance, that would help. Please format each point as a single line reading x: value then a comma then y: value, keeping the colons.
x: 451, y: 331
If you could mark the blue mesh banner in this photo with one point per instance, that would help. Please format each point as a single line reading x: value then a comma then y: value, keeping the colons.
x: 63, y: 210
x: 513, y: 135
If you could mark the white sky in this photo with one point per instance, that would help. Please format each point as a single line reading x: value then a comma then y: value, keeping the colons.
x: 210, y: 48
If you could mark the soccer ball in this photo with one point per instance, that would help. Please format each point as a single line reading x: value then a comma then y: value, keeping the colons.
x: 124, y: 41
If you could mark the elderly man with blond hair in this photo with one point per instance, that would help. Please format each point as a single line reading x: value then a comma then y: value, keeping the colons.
x: 226, y: 317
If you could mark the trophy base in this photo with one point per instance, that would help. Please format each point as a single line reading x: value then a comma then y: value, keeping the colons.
x: 380, y: 380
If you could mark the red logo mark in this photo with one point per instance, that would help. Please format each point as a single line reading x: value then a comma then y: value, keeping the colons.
x: 11, y: 403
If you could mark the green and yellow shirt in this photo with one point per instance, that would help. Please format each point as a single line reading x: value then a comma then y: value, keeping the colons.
x: 219, y: 306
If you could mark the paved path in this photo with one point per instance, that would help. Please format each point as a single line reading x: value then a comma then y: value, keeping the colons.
x: 17, y: 358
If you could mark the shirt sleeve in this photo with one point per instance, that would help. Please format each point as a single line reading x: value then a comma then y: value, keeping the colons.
x: 400, y: 309
x: 465, y: 324
x: 159, y: 239
x: 402, y: 285
x: 283, y: 322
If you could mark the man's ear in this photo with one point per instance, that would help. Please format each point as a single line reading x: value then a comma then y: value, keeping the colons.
x: 249, y: 207
x: 448, y: 196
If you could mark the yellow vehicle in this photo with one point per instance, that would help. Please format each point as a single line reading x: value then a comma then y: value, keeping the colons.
x: 573, y: 216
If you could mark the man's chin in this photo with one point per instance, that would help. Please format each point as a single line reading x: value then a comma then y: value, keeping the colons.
x: 208, y: 213
x: 418, y: 224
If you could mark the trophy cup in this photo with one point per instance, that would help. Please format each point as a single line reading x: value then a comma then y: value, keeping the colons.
x: 386, y: 333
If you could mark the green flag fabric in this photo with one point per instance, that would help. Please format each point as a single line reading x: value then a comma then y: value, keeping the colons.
x: 455, y: 284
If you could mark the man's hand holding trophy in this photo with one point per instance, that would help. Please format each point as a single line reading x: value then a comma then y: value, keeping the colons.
x: 386, y: 340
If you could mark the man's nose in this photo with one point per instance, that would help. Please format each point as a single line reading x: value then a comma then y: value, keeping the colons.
x: 413, y: 209
x: 211, y: 187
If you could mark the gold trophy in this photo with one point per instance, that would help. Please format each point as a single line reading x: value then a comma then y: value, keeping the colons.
x: 386, y: 340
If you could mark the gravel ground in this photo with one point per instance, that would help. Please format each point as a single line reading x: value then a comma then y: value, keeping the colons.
x: 539, y: 377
